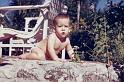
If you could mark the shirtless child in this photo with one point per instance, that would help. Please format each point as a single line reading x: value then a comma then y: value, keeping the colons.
x: 49, y: 48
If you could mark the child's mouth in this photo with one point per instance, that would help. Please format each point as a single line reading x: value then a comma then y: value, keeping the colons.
x: 63, y: 33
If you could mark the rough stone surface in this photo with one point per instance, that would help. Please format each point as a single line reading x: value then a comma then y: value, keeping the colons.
x: 17, y: 70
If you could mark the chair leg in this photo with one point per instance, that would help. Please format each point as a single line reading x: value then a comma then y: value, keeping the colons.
x: 63, y: 53
x: 10, y: 51
x: 0, y: 50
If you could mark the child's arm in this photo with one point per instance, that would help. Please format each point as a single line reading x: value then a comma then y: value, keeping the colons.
x: 70, y: 50
x: 74, y: 57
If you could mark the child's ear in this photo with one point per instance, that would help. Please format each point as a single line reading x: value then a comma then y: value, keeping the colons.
x: 52, y: 29
x: 70, y: 28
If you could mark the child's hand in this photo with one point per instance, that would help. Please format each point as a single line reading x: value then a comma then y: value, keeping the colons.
x: 73, y: 57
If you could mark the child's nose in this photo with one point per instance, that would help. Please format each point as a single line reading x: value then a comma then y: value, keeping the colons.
x: 63, y: 28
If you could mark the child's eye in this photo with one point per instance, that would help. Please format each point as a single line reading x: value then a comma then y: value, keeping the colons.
x: 59, y: 26
x: 66, y: 26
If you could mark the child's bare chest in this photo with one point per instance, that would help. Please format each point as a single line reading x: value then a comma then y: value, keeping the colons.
x: 60, y: 46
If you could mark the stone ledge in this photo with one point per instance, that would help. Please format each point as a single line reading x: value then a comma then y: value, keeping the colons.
x: 17, y: 70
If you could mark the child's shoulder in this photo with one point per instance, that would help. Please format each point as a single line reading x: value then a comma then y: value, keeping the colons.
x: 52, y: 35
x: 67, y: 39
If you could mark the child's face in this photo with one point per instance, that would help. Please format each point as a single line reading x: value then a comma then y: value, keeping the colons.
x: 62, y: 27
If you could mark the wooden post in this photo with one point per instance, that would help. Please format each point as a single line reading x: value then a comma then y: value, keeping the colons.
x: 27, y: 21
x: 63, y: 54
x: 45, y: 28
x: 78, y: 13
x: 0, y: 50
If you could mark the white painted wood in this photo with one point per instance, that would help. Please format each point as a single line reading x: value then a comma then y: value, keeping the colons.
x: 45, y: 5
x: 45, y: 28
x: 27, y: 22
x: 0, y: 50
x: 63, y: 54
x: 14, y: 44
x: 17, y: 45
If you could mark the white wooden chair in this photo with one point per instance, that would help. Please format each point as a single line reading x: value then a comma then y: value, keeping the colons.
x: 15, y: 42
x: 43, y: 18
x: 18, y: 44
